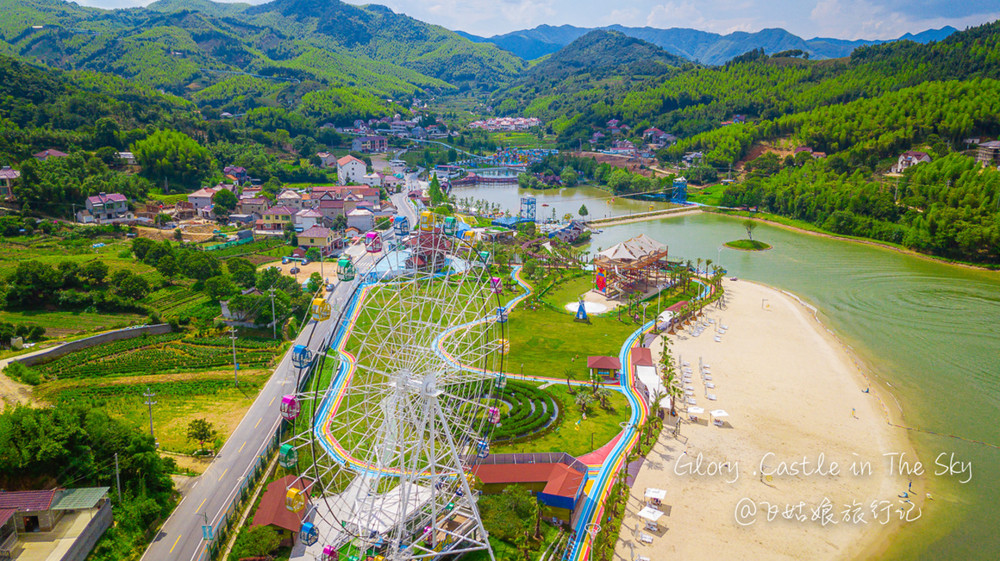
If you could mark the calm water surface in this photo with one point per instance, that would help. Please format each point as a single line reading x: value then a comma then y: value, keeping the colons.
x: 929, y: 331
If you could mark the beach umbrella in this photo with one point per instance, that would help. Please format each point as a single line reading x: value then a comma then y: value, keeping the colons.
x: 720, y: 413
x: 695, y: 410
x: 650, y: 513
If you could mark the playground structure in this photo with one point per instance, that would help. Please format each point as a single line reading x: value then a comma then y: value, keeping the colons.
x: 632, y: 266
x: 388, y: 421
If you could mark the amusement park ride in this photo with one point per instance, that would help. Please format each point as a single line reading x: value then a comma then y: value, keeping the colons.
x: 388, y: 419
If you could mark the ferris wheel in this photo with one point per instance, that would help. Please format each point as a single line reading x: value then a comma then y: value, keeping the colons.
x: 389, y: 419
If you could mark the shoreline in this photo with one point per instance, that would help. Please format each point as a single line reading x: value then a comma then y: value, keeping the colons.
x: 793, y: 388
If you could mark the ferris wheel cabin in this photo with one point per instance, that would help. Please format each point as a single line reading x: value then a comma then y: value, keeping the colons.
x: 401, y: 226
x: 373, y: 242
x: 346, y: 271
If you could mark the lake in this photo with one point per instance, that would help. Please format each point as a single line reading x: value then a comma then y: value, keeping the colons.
x: 928, y: 331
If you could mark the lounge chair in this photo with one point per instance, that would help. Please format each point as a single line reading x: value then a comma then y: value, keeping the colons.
x: 645, y: 538
x: 709, y: 385
x: 717, y: 422
x: 718, y: 339
x: 711, y: 396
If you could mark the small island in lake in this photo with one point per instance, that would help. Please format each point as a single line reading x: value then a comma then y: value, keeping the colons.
x: 748, y: 245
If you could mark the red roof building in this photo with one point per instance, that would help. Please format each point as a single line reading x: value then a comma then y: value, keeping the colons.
x: 272, y: 510
x: 604, y: 366
x: 556, y: 485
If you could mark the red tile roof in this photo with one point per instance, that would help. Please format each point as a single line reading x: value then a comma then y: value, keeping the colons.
x: 27, y: 500
x: 5, y: 514
x: 316, y: 232
x: 641, y: 356
x: 559, y: 479
x: 564, y: 481
x: 272, y: 510
x: 604, y: 362
x: 348, y: 159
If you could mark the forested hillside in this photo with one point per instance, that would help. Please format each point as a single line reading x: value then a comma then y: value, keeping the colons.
x: 185, y: 46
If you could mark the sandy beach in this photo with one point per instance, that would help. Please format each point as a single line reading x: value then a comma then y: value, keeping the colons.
x: 792, y: 393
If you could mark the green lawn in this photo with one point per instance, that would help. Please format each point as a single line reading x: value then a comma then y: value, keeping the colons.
x: 748, y: 245
x: 571, y: 437
x: 708, y: 195
x: 523, y: 139
x: 59, y: 324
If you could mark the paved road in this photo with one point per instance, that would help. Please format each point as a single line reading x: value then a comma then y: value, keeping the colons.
x: 180, y: 538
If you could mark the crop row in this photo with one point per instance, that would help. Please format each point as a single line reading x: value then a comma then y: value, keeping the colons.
x: 241, y: 342
x: 155, y: 357
x: 104, y: 350
x: 531, y: 410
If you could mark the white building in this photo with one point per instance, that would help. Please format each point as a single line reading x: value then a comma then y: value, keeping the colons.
x: 326, y: 159
x: 307, y: 218
x: 361, y: 219
x: 373, y: 179
x: 350, y: 170
x: 202, y: 198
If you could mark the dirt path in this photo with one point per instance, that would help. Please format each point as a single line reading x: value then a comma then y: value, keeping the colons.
x: 11, y: 392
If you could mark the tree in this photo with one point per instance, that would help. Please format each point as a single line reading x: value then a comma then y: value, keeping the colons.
x: 131, y: 286
x: 199, y: 265
x: 225, y: 202
x: 583, y: 400
x: 340, y: 223
x: 167, y: 266
x: 750, y: 225
x: 95, y: 271
x: 315, y: 282
x: 603, y: 395
x: 242, y: 271
x: 257, y: 542
x: 219, y: 287
x: 568, y: 177
x: 200, y: 430
x: 436, y: 194
x: 583, y: 212
x: 173, y: 156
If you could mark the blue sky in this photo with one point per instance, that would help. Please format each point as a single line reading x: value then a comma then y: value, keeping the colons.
x: 845, y: 19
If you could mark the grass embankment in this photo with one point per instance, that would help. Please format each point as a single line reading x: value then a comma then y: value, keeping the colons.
x: 748, y: 245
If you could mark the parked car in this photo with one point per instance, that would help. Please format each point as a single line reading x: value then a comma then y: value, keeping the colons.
x: 294, y: 270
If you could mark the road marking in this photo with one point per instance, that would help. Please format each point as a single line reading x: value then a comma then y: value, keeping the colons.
x: 241, y: 447
x: 201, y: 505
x: 223, y: 474
x: 272, y: 400
x: 175, y: 543
x: 258, y: 422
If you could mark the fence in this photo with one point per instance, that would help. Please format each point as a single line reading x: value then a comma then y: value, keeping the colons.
x: 100, y: 522
x: 117, y: 335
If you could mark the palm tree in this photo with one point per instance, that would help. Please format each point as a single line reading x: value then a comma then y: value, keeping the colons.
x: 602, y: 395
x: 583, y: 399
x: 675, y: 390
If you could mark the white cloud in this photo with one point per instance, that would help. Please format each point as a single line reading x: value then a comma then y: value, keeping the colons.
x: 864, y: 19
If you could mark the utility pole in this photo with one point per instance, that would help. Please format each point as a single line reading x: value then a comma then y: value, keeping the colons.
x: 118, y: 479
x: 236, y: 366
x: 274, y: 320
x: 149, y: 395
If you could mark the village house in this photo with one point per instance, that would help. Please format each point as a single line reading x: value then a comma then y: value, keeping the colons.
x: 237, y: 172
x: 373, y: 179
x: 321, y: 238
x: 275, y: 219
x: 331, y: 208
x: 289, y: 198
x: 988, y: 153
x: 250, y: 192
x: 910, y: 159
x: 391, y: 183
x: 50, y: 153
x: 370, y: 144
x: 253, y: 206
x: 126, y: 158
x: 202, y: 198
x: 361, y: 219
x: 7, y: 178
x: 326, y: 159
x: 307, y: 218
x: 350, y: 170
x: 50, y: 524
x: 104, y: 207
x: 184, y: 210
x: 368, y: 195
x: 569, y: 233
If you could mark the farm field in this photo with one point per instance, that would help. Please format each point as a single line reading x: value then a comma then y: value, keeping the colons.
x: 522, y: 140
x: 52, y: 251
x: 192, y: 378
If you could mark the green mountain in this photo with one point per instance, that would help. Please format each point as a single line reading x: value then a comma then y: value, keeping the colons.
x: 184, y: 46
x: 595, y: 65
